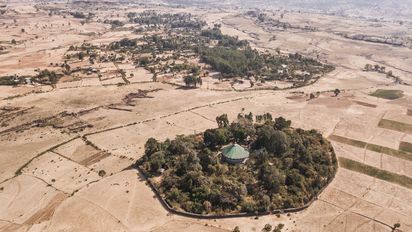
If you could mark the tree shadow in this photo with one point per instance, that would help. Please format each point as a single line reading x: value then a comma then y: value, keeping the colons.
x: 186, y: 87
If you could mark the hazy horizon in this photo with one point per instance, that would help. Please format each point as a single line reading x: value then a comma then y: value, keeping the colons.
x: 373, y: 8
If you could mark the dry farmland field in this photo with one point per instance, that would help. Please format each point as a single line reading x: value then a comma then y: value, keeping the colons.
x: 84, y: 85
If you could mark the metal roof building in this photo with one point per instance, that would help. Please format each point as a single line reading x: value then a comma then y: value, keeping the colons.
x: 234, y: 154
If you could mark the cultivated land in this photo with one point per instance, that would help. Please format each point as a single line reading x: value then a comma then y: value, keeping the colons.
x: 68, y: 142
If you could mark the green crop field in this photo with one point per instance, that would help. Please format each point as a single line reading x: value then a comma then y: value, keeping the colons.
x: 375, y: 172
x: 396, y: 126
x: 388, y: 94
x: 401, y: 153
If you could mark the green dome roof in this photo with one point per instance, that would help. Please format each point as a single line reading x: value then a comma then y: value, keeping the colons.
x: 235, y: 152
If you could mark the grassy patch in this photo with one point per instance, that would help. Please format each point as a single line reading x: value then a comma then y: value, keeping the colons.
x: 352, y: 142
x: 405, y: 146
x: 388, y: 94
x: 401, y: 154
x: 396, y: 126
x: 352, y: 165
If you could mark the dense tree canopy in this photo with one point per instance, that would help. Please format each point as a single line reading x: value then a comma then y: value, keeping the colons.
x: 232, y: 61
x: 287, y: 167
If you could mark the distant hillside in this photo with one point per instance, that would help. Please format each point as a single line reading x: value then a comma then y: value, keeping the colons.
x: 367, y: 8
